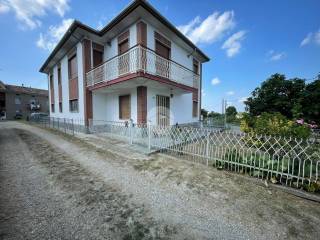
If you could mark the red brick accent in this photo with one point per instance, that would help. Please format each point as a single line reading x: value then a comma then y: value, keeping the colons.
x: 86, y: 55
x: 195, y: 96
x: 141, y: 104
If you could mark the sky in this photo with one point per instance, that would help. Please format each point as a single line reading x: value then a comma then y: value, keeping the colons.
x: 247, y: 41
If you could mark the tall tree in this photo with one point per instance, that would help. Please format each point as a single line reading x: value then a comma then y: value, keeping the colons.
x: 277, y: 94
x: 231, y: 113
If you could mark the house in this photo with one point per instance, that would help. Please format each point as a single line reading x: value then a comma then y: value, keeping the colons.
x: 21, y: 101
x: 137, y: 67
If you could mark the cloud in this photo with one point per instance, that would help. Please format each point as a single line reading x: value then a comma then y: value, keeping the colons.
x: 4, y: 7
x: 311, y: 38
x: 233, y: 44
x: 306, y: 40
x: 275, y: 56
x: 203, y: 93
x: 28, y: 12
x: 243, y: 99
x: 185, y: 29
x: 50, y: 39
x: 210, y: 29
x: 215, y: 81
x: 230, y: 93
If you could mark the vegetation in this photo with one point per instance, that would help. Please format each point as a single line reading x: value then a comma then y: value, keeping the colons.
x: 292, y: 98
x: 231, y: 113
x: 274, y: 124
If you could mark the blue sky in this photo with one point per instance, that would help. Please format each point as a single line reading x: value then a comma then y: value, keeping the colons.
x: 247, y: 40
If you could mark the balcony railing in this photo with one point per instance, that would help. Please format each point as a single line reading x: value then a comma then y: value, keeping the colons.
x: 139, y: 59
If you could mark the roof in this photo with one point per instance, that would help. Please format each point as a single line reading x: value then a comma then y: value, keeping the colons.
x: 24, y: 90
x: 143, y: 3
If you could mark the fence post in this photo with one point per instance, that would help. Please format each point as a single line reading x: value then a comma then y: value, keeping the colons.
x: 149, y: 135
x: 130, y: 131
x: 72, y: 126
x: 64, y: 125
x: 207, y: 148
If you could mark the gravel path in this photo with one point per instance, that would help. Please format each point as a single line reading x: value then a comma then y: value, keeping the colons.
x: 155, y: 198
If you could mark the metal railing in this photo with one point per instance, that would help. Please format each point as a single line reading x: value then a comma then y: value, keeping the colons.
x: 66, y: 125
x: 145, y: 60
x: 286, y: 160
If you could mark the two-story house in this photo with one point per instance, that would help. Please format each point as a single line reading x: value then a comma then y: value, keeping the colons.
x: 137, y: 67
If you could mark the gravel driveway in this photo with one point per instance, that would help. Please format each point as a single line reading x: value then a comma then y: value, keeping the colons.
x: 53, y: 187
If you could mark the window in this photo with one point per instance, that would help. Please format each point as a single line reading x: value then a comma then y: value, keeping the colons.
x: 124, y: 107
x: 59, y: 76
x: 73, y: 105
x: 52, y: 107
x: 72, y: 67
x: 60, y: 107
x: 51, y: 82
x: 194, y: 109
x: 97, y: 57
x: 17, y: 99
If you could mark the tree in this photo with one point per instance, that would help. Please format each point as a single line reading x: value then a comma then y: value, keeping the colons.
x: 277, y: 94
x: 204, y: 113
x: 231, y: 113
x: 311, y: 102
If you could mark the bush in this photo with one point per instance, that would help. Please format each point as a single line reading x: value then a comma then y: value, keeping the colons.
x: 274, y: 124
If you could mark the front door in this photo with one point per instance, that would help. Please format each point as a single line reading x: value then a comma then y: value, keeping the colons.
x: 163, y: 110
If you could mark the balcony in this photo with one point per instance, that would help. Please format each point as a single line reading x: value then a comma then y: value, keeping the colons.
x: 139, y: 59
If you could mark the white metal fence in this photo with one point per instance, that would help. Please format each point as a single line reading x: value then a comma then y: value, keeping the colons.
x: 290, y: 161
x: 143, y: 59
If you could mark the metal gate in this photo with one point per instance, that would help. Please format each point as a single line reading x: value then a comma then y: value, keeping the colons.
x: 163, y: 110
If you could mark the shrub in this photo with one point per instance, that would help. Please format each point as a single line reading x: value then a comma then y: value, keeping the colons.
x: 274, y: 124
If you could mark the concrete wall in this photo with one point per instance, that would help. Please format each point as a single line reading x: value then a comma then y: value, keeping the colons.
x: 106, y: 105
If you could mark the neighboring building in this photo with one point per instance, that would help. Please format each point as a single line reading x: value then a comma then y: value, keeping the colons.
x: 20, y: 101
x: 138, y: 67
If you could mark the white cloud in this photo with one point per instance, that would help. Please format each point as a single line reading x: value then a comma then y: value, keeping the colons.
x: 203, y: 93
x: 215, y: 81
x: 306, y: 40
x: 243, y: 99
x: 50, y: 39
x: 233, y: 44
x: 317, y: 37
x: 185, y: 29
x: 230, y: 93
x: 311, y: 38
x: 28, y: 12
x: 275, y: 56
x: 4, y: 7
x: 210, y: 29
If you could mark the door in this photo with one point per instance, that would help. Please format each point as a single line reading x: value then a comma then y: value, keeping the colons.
x: 162, y: 60
x: 97, y: 57
x: 163, y: 110
x: 124, y: 58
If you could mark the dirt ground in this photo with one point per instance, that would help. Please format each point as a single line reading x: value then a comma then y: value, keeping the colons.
x: 58, y: 187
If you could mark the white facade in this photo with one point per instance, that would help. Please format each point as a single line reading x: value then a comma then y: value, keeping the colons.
x: 105, y: 101
x: 66, y: 113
